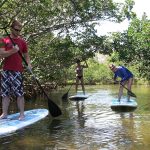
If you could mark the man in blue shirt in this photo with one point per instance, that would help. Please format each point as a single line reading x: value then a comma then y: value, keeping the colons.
x: 126, y: 78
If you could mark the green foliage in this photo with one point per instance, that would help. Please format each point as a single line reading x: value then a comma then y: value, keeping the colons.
x: 139, y: 34
x: 114, y: 57
x: 97, y: 73
x: 58, y: 32
x: 132, y: 48
x: 128, y: 9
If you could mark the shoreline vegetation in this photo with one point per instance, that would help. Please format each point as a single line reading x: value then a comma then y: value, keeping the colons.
x: 56, y: 39
x: 97, y: 73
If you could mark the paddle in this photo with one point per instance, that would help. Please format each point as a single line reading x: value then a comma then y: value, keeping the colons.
x: 129, y: 92
x: 65, y: 96
x: 53, y: 108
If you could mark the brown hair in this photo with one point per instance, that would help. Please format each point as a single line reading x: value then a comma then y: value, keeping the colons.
x: 16, y: 23
x: 77, y: 60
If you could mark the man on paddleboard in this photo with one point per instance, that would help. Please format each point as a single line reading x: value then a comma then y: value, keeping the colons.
x: 11, y: 76
x: 126, y: 78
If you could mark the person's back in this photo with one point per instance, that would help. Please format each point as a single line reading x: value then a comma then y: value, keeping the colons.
x: 123, y: 73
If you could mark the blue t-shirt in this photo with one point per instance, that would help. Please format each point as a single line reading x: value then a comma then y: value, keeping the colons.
x: 123, y: 73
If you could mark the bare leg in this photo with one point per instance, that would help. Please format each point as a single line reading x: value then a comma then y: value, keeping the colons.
x: 130, y: 81
x: 82, y: 84
x: 77, y: 83
x: 20, y: 102
x: 5, y: 105
x: 120, y: 92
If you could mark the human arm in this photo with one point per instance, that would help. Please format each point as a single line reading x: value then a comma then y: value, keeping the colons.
x: 115, y: 79
x: 27, y: 58
x: 121, y: 73
x: 4, y: 53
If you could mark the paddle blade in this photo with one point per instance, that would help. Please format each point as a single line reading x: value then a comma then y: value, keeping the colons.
x: 54, y: 109
x: 65, y: 96
x: 131, y: 94
x: 128, y: 91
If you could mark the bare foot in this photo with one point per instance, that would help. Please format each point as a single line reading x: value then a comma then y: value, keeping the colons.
x: 21, y: 117
x: 3, y: 116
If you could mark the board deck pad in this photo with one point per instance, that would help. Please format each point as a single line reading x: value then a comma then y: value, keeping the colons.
x: 123, y: 105
x: 12, y: 124
x: 79, y: 96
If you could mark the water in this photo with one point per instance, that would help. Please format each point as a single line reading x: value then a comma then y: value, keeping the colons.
x: 86, y: 125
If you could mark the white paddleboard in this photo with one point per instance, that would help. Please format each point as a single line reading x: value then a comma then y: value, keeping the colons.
x: 11, y: 124
x: 79, y: 96
x: 123, y: 105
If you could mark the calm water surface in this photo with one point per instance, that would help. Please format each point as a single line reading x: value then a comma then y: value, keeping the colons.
x: 86, y: 125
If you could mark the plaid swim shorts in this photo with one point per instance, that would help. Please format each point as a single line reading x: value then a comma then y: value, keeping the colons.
x: 11, y: 83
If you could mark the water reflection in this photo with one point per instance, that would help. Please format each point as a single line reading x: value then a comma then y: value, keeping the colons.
x: 55, y: 126
x: 86, y: 125
x: 80, y: 110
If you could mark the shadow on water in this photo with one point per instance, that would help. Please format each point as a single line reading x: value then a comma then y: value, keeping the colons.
x: 86, y: 125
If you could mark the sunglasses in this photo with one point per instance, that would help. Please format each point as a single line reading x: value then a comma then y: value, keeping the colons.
x: 17, y: 30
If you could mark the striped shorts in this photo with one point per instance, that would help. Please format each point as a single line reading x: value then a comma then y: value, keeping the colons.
x: 11, y: 83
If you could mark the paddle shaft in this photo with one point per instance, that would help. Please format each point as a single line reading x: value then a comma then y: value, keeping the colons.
x: 132, y: 94
x: 70, y: 88
x: 125, y: 87
x: 65, y: 96
x: 50, y: 102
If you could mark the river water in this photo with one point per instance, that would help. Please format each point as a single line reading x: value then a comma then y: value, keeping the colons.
x: 86, y: 125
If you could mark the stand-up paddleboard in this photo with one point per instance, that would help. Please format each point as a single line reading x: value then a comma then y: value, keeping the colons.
x: 123, y: 105
x: 79, y: 96
x: 11, y: 124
